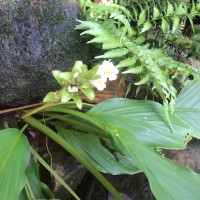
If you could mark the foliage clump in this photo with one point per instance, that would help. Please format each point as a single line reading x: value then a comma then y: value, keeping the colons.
x: 143, y: 39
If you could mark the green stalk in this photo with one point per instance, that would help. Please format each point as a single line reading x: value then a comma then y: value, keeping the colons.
x: 69, y: 119
x: 29, y: 192
x: 51, y: 108
x: 39, y: 158
x: 59, y: 140
x: 49, y: 105
x: 84, y: 116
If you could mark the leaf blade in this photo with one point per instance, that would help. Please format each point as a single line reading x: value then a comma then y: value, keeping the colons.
x: 14, y: 157
x: 146, y: 120
x: 187, y: 107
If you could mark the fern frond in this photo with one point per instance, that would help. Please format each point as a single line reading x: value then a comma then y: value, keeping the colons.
x: 85, y: 25
x: 99, y: 39
x: 182, y: 10
x: 96, y: 32
x: 105, y: 33
x: 156, y: 13
x: 143, y: 80
x: 170, y: 9
x: 146, y: 27
x: 135, y: 70
x: 122, y: 18
x: 151, y: 16
x: 142, y: 18
x: 114, y: 53
x: 112, y: 43
x: 131, y: 41
x: 165, y: 25
x: 127, y: 62
x: 176, y: 24
x: 135, y: 12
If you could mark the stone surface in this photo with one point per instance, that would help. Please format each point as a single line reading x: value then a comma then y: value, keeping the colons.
x: 36, y: 36
x: 190, y: 156
x: 67, y: 167
x: 135, y: 187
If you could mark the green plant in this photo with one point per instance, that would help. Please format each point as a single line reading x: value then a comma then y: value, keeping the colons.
x: 133, y: 128
x: 80, y: 79
x: 137, y: 36
x: 132, y: 34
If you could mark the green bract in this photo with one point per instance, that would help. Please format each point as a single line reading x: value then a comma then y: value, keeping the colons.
x: 81, y: 79
x: 71, y: 83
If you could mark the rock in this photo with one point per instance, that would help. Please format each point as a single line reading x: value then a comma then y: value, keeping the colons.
x: 124, y: 196
x: 35, y: 38
x: 135, y: 187
x: 66, y: 166
x: 190, y: 156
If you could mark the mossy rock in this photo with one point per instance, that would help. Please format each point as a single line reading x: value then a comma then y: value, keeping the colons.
x: 36, y: 37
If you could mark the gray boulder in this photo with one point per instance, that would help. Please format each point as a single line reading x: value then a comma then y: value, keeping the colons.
x: 35, y: 38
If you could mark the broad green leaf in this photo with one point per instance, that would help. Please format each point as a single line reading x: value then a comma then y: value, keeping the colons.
x: 39, y: 189
x: 90, y: 147
x: 168, y: 180
x: 146, y: 120
x: 187, y: 107
x: 14, y: 157
x: 33, y: 178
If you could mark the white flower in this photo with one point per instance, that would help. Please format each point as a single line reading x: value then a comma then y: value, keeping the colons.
x: 72, y: 89
x: 105, y: 2
x: 99, y: 83
x: 108, y: 70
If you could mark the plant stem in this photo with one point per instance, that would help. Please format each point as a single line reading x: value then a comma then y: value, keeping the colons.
x: 49, y: 105
x: 19, y: 108
x: 39, y: 158
x: 84, y: 116
x: 81, y: 125
x: 29, y: 192
x: 51, y: 108
x: 59, y: 140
